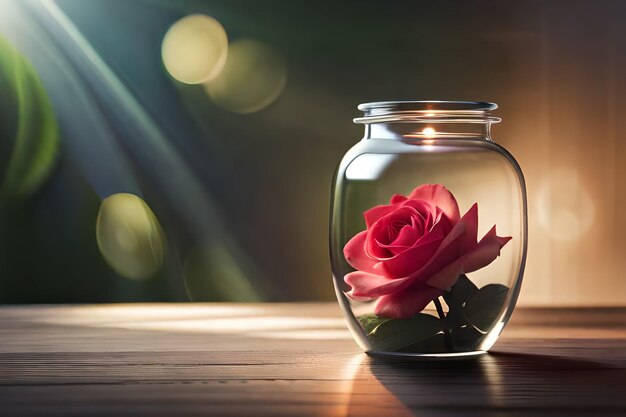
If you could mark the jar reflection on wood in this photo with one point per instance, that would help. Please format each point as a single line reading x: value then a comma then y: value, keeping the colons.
x: 428, y: 230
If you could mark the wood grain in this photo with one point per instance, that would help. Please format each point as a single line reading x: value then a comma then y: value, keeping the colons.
x: 294, y: 360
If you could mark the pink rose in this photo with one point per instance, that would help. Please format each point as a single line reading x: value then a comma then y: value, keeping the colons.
x: 414, y: 249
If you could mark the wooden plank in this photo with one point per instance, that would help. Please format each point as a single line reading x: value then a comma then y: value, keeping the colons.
x: 294, y: 360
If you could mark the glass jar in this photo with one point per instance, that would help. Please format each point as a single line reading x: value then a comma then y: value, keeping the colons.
x: 415, y: 271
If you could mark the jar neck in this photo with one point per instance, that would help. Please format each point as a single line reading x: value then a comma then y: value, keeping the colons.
x: 427, y: 130
x: 427, y: 120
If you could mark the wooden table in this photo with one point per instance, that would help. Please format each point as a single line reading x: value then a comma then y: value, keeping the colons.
x: 294, y: 360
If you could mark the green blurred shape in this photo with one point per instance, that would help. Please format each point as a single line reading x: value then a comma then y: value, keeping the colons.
x: 212, y: 274
x: 29, y: 135
x: 129, y: 236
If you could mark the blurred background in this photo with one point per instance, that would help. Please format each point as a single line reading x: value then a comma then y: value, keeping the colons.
x: 161, y: 150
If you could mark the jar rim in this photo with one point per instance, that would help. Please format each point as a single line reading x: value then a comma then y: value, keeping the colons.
x: 439, y: 111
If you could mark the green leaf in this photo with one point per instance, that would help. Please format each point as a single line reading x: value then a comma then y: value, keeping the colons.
x: 483, y: 309
x: 371, y: 321
x: 433, y: 344
x: 460, y: 292
x: 465, y: 338
x: 399, y: 333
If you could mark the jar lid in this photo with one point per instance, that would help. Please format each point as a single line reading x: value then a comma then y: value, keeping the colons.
x: 428, y: 111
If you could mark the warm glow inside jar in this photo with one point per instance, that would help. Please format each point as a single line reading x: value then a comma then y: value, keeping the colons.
x: 419, y: 269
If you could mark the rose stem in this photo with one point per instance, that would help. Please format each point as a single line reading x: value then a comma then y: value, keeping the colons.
x: 442, y: 316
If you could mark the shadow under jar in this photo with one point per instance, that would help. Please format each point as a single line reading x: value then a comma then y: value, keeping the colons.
x: 419, y: 267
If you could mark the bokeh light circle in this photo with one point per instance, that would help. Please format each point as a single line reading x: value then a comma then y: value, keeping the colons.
x: 194, y: 49
x: 254, y: 76
x: 129, y: 236
x: 565, y: 208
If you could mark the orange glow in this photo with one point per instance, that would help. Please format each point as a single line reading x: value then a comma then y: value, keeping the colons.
x: 429, y: 132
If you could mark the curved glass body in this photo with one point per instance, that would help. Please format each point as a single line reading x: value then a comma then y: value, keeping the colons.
x: 423, y: 273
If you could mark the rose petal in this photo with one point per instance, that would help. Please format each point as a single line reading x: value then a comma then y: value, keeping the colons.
x: 483, y: 253
x: 449, y: 251
x: 355, y: 255
x: 397, y: 198
x: 439, y: 196
x: 375, y: 213
x: 427, y: 210
x: 471, y: 227
x: 447, y: 276
x: 407, y: 236
x: 487, y: 250
x: 414, y: 258
x: 420, y: 224
x: 492, y: 235
x: 378, y: 233
x: 407, y: 303
x: 423, y: 206
x: 367, y: 285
